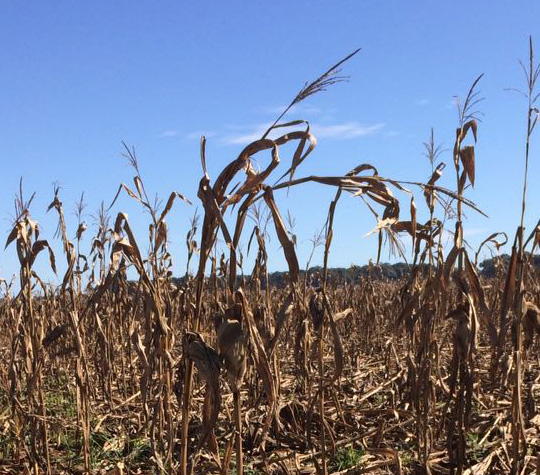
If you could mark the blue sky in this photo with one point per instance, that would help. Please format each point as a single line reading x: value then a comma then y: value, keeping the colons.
x: 80, y: 77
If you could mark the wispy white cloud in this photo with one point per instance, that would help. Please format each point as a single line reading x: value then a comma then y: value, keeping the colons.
x: 453, y: 103
x: 473, y: 232
x: 448, y: 236
x: 307, y: 109
x: 241, y: 139
x: 169, y: 133
x: 340, y: 131
x: 196, y: 135
x: 348, y: 130
x: 297, y: 109
x: 272, y: 109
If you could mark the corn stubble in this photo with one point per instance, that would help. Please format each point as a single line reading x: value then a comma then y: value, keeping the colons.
x: 222, y: 373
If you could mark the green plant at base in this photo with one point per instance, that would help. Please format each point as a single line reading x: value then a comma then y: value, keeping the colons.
x: 475, y: 450
x: 346, y: 458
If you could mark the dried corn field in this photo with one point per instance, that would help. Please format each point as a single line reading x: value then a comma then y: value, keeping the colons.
x: 122, y: 368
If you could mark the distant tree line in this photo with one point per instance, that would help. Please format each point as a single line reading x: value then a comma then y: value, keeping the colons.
x: 487, y: 269
x: 489, y: 266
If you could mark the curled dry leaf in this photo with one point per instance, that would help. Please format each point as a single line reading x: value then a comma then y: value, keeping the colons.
x: 232, y: 341
x: 208, y: 365
x: 316, y: 309
x: 531, y: 322
x: 462, y: 335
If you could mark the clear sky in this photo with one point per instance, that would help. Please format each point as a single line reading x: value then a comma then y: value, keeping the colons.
x: 77, y: 78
